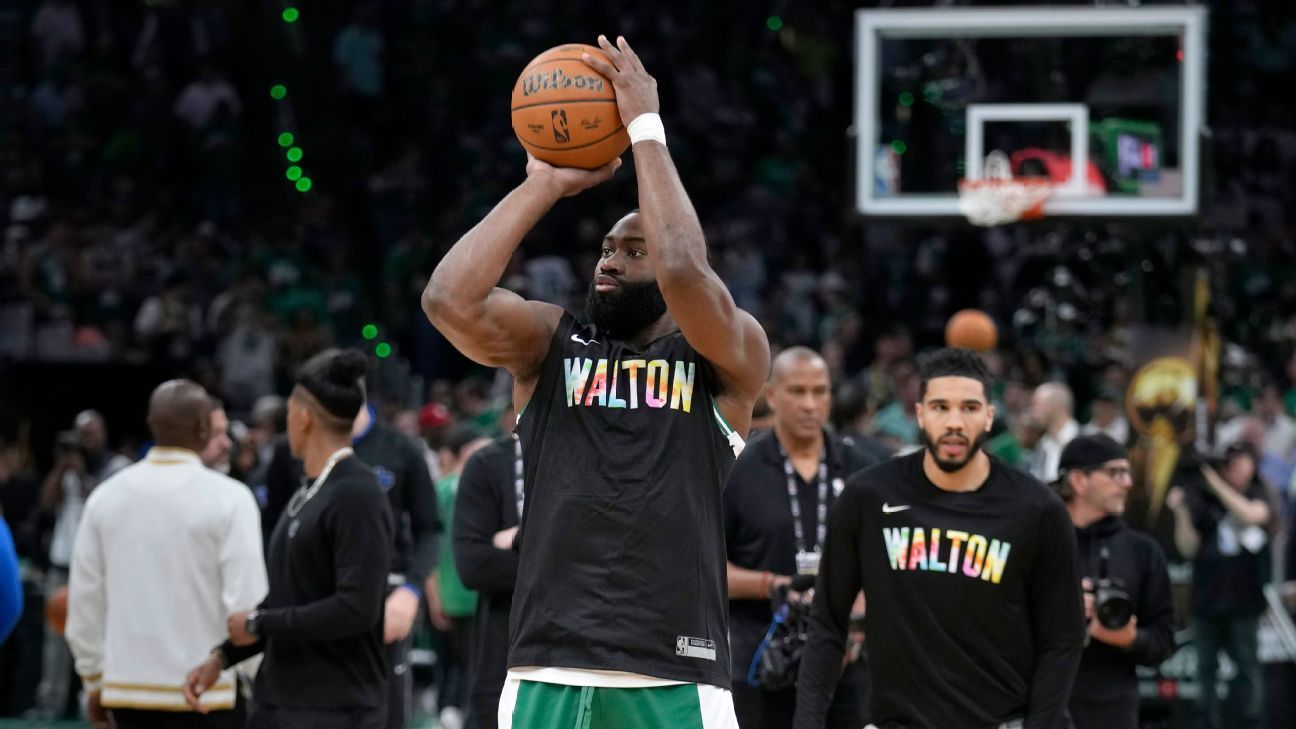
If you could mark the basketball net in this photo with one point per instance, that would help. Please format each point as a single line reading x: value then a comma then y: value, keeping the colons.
x: 999, y: 198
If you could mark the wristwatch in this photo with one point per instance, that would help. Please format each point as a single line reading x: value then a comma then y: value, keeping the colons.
x: 253, y: 624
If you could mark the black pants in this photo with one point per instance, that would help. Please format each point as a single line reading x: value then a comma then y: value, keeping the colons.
x: 400, y: 683
x: 265, y: 716
x: 485, y: 710
x: 760, y: 709
x: 143, y: 719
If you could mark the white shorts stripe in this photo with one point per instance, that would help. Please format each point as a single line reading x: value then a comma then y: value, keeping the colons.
x: 717, y: 707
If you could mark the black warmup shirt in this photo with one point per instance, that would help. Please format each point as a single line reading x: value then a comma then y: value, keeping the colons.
x: 974, y: 610
x: 758, y: 526
x: 485, y: 504
x: 623, y: 552
x: 1105, y: 695
x: 322, y: 622
x: 398, y: 464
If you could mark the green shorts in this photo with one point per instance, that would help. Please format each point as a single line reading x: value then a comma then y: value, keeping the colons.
x: 536, y: 705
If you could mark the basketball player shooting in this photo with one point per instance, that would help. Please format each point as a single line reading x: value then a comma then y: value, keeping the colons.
x: 631, y: 418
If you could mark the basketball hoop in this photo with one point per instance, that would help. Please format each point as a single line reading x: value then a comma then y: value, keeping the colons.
x: 998, y: 198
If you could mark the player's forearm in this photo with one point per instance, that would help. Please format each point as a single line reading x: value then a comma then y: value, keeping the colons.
x: 670, y: 223
x: 1055, y: 669
x: 475, y: 264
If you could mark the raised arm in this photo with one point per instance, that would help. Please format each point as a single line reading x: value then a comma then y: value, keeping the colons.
x: 728, y: 337
x: 490, y: 325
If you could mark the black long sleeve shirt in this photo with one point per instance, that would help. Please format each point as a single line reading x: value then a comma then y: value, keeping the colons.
x: 974, y: 613
x: 321, y: 624
x: 398, y: 464
x: 1105, y: 695
x: 486, y: 504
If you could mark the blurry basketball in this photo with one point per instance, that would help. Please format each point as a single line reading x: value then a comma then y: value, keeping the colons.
x: 565, y: 112
x: 971, y: 329
x: 56, y: 609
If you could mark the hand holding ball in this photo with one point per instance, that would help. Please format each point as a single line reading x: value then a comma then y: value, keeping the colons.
x: 565, y: 113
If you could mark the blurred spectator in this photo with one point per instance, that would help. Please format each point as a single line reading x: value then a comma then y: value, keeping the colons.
x: 216, y: 454
x: 357, y: 52
x: 58, y: 32
x: 450, y: 604
x: 203, y: 98
x: 1223, y: 523
x: 82, y: 461
x: 1107, y: 418
x: 1053, y: 407
x: 897, y: 424
x: 169, y: 324
x: 1016, y: 445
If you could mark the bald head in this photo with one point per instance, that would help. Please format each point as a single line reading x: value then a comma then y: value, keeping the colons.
x: 794, y: 358
x: 1052, y: 405
x: 179, y: 415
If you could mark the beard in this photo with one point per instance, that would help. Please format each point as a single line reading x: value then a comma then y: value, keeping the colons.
x: 947, y: 465
x: 627, y: 310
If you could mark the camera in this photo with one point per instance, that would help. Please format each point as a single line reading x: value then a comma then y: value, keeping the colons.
x: 68, y: 441
x: 1112, y: 605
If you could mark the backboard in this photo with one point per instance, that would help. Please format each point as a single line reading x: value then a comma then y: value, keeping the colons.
x: 1123, y: 89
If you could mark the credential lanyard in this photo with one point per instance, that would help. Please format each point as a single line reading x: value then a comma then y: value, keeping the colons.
x: 518, y: 491
x: 821, y: 511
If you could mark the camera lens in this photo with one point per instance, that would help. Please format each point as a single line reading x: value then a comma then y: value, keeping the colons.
x: 1113, y: 608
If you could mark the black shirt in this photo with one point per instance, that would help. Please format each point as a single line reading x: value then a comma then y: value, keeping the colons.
x: 1228, y: 578
x: 485, y: 504
x: 758, y: 526
x: 622, y: 550
x: 970, y: 627
x: 1105, y: 695
x: 398, y: 464
x: 322, y: 621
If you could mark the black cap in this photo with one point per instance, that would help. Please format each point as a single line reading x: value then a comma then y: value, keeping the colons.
x: 1090, y: 451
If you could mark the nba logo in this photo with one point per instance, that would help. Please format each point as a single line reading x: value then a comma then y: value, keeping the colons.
x: 681, y: 646
x: 559, y: 120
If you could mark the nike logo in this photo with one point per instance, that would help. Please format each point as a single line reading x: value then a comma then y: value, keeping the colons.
x: 578, y: 340
x: 889, y: 509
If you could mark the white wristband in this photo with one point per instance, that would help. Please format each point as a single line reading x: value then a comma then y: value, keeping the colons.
x: 647, y: 127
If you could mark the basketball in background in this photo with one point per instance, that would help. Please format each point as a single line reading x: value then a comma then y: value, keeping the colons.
x: 56, y: 610
x: 971, y: 329
x: 565, y: 112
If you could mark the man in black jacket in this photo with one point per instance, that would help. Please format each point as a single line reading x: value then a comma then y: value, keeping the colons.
x: 1094, y: 481
x: 776, y: 506
x: 488, y: 509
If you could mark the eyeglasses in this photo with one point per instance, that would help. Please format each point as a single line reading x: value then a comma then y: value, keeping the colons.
x: 1115, y: 473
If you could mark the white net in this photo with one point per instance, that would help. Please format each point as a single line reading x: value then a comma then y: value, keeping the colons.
x: 998, y: 198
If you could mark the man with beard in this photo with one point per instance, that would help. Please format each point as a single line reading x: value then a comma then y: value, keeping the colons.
x: 630, y: 421
x: 975, y: 617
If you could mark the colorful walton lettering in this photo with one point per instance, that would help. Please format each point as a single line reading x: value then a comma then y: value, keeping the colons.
x: 659, y: 378
x: 983, y: 558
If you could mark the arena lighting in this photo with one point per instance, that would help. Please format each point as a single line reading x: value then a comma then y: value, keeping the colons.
x: 383, y: 350
x: 278, y: 91
x: 370, y: 331
x: 774, y: 23
x: 293, y: 173
x: 304, y: 184
x: 906, y: 98
x: 286, y: 139
x: 290, y: 14
x: 294, y: 154
x: 899, y: 147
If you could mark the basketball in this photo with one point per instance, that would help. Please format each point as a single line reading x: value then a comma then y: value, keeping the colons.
x: 971, y: 329
x: 56, y: 610
x: 565, y: 112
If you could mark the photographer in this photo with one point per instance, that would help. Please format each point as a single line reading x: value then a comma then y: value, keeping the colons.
x: 82, y: 461
x: 1223, y: 521
x: 1127, y: 587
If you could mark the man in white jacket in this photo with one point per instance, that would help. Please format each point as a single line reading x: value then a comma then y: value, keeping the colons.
x: 166, y: 551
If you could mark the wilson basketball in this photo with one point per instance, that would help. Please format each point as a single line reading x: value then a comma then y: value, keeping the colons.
x: 565, y: 112
x: 56, y: 610
x: 971, y: 329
